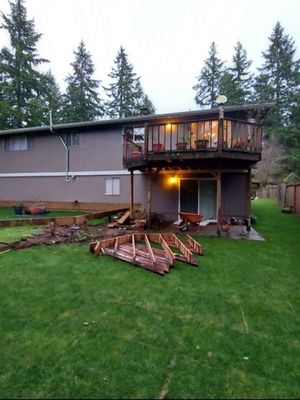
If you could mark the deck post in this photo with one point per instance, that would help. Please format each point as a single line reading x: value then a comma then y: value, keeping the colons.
x: 149, y: 197
x: 221, y: 129
x: 131, y: 194
x: 219, y: 202
x: 249, y: 187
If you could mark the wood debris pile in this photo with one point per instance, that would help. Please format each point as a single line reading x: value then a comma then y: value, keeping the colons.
x: 137, y: 223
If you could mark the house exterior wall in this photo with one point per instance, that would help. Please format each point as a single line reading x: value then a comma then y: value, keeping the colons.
x: 234, y: 194
x: 97, y: 151
x: 83, y: 189
x: 38, y: 174
x: 165, y: 197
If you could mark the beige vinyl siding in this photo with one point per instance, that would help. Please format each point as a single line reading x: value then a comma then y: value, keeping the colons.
x: 164, y: 198
x: 83, y: 189
x: 234, y: 194
x: 98, y: 150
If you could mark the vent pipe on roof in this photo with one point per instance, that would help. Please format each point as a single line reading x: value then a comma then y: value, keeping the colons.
x: 67, y: 159
x: 50, y: 121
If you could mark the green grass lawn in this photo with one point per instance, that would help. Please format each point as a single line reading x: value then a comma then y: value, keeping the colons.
x: 8, y: 213
x: 8, y: 235
x: 76, y: 326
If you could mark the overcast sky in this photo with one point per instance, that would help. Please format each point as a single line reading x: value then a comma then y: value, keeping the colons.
x: 166, y: 40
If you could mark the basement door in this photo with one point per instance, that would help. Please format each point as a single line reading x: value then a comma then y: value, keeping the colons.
x: 198, y: 196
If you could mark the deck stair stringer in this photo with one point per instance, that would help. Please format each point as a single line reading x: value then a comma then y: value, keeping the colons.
x: 136, y: 249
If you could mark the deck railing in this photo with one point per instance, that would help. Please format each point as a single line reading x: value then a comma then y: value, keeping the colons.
x: 193, y: 136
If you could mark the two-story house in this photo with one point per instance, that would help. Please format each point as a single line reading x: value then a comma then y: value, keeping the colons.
x: 197, y: 161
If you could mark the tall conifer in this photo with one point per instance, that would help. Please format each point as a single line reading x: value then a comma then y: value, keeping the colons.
x: 81, y: 100
x: 237, y: 81
x: 278, y: 80
x: 20, y: 80
x: 125, y: 93
x: 208, y: 85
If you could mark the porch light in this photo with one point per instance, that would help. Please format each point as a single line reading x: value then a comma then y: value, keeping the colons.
x: 173, y: 179
x: 168, y: 126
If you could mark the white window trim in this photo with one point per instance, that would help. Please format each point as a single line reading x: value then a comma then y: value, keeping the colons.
x: 114, y: 189
x: 13, y: 141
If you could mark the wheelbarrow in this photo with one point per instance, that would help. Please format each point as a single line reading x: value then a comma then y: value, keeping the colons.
x: 189, y: 219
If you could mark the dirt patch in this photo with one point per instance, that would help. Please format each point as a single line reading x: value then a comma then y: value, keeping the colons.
x: 61, y: 234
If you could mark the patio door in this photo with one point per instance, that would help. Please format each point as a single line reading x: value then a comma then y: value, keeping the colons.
x: 189, y: 195
x: 198, y: 196
x: 208, y: 198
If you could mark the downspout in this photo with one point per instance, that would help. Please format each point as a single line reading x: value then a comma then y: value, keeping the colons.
x: 67, y: 157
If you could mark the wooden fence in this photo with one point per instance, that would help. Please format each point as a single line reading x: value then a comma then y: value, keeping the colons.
x: 292, y: 197
x: 286, y: 195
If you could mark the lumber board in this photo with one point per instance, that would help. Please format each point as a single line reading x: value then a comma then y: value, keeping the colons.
x: 133, y: 246
x: 169, y: 253
x: 124, y: 218
x: 194, y: 246
x: 149, y: 248
x: 139, y: 261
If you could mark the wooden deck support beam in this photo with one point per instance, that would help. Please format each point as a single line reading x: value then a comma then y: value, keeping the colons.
x: 131, y: 194
x: 149, y: 197
x: 249, y: 187
x: 219, y: 200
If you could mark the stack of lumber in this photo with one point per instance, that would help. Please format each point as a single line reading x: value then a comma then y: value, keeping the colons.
x: 124, y: 221
x: 137, y: 249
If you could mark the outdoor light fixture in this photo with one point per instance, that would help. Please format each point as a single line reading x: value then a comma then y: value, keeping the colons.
x: 172, y: 180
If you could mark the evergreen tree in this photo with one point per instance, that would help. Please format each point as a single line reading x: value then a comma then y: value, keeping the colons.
x: 125, y: 93
x: 147, y: 103
x: 208, y: 85
x: 278, y: 80
x: 229, y: 88
x: 19, y: 79
x: 49, y: 99
x: 52, y: 98
x: 289, y: 136
x: 237, y: 81
x: 82, y: 101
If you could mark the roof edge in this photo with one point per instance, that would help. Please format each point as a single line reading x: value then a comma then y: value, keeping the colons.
x: 139, y: 118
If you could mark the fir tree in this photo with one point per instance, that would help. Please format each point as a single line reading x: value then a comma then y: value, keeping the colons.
x: 278, y: 80
x: 19, y: 78
x: 237, y: 81
x: 82, y: 101
x: 208, y: 85
x: 49, y: 99
x: 147, y: 104
x: 125, y: 93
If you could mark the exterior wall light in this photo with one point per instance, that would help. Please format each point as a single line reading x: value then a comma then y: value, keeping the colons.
x: 173, y: 180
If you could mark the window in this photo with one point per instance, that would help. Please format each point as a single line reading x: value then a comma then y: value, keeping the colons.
x: 112, y: 186
x: 135, y: 134
x: 17, y: 143
x: 71, y: 139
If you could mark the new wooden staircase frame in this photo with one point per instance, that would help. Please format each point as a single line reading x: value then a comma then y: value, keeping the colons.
x: 137, y: 249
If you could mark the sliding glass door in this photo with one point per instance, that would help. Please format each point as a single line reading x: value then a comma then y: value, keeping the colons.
x: 198, y: 196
